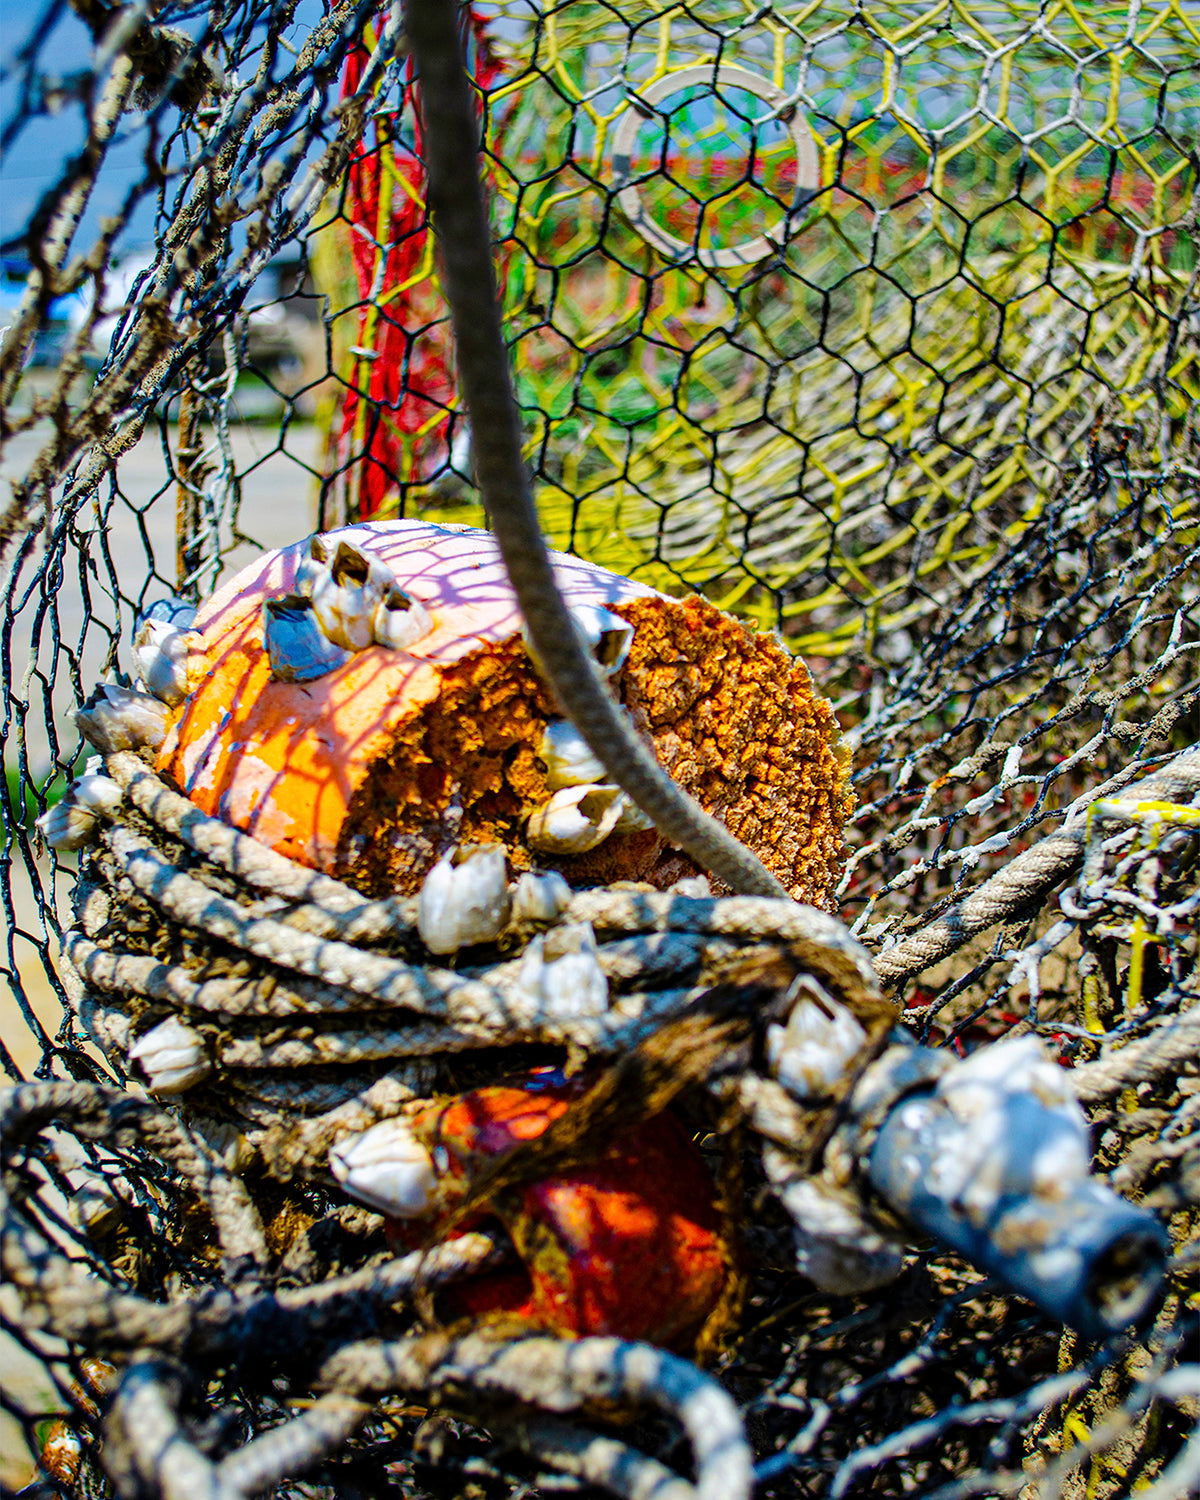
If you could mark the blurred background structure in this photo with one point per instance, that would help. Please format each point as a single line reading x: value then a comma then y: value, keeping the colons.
x: 876, y: 324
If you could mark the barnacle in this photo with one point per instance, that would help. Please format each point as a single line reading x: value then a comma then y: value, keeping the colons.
x: 163, y: 653
x: 464, y: 899
x: 386, y: 1167
x: 576, y: 819
x: 569, y: 761
x: 72, y: 823
x: 67, y: 826
x: 117, y: 718
x: 171, y: 1057
x: 540, y: 898
x: 371, y: 765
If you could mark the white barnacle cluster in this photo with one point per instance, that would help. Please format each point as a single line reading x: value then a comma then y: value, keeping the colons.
x: 464, y: 899
x: 561, y: 975
x: 559, y: 981
x: 343, y: 601
x: 583, y: 808
x: 118, y: 718
x: 72, y: 823
x: 167, y: 659
x: 986, y: 1095
x: 387, y: 1168
x: 171, y: 1057
x: 811, y: 1052
x: 838, y: 1244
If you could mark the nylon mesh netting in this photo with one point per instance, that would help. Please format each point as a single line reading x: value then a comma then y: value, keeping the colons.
x: 874, y: 324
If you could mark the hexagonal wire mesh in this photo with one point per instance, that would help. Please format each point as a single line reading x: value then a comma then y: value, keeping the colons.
x: 875, y: 325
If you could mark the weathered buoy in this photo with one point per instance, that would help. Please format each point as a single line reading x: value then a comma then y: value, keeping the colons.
x: 368, y: 752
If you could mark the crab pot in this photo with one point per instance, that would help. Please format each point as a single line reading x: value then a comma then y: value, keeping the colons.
x: 1085, y: 1256
x: 363, y: 700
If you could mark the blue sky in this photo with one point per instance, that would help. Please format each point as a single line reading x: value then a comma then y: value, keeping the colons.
x: 42, y: 140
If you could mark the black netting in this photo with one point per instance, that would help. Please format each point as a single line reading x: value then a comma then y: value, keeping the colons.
x: 876, y: 326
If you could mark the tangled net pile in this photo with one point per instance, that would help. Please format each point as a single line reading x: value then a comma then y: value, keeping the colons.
x: 914, y: 382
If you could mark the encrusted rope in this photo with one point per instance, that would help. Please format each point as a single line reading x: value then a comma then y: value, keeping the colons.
x: 299, y: 1012
x: 110, y: 1116
x: 1170, y: 1047
x: 335, y: 909
x: 148, y: 1447
x: 312, y: 992
x: 561, y: 1376
x: 596, y: 1458
x: 301, y: 1016
x: 237, y: 1313
x: 301, y: 975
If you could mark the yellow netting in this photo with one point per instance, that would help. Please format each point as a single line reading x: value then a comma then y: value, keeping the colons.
x: 985, y: 268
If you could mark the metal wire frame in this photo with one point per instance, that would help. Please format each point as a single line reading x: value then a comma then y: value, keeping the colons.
x: 947, y: 444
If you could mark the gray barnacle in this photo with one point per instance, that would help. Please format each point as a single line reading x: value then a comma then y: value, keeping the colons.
x: 67, y: 827
x: 297, y: 648
x: 71, y: 824
x: 117, y: 718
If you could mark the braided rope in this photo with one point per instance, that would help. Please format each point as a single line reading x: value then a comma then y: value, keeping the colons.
x: 461, y: 226
x: 302, y: 1013
x: 646, y: 934
x: 301, y: 1004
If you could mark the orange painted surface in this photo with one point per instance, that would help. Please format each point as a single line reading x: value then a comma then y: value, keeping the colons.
x: 626, y: 1244
x: 282, y: 760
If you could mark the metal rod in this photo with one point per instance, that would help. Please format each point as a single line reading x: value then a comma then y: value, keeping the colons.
x: 1084, y: 1255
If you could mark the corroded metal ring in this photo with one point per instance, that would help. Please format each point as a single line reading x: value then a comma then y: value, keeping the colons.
x: 783, y: 108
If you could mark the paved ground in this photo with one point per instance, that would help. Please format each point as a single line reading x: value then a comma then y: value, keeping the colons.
x: 278, y: 503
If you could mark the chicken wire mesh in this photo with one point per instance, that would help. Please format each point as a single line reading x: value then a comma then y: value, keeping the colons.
x: 875, y: 325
